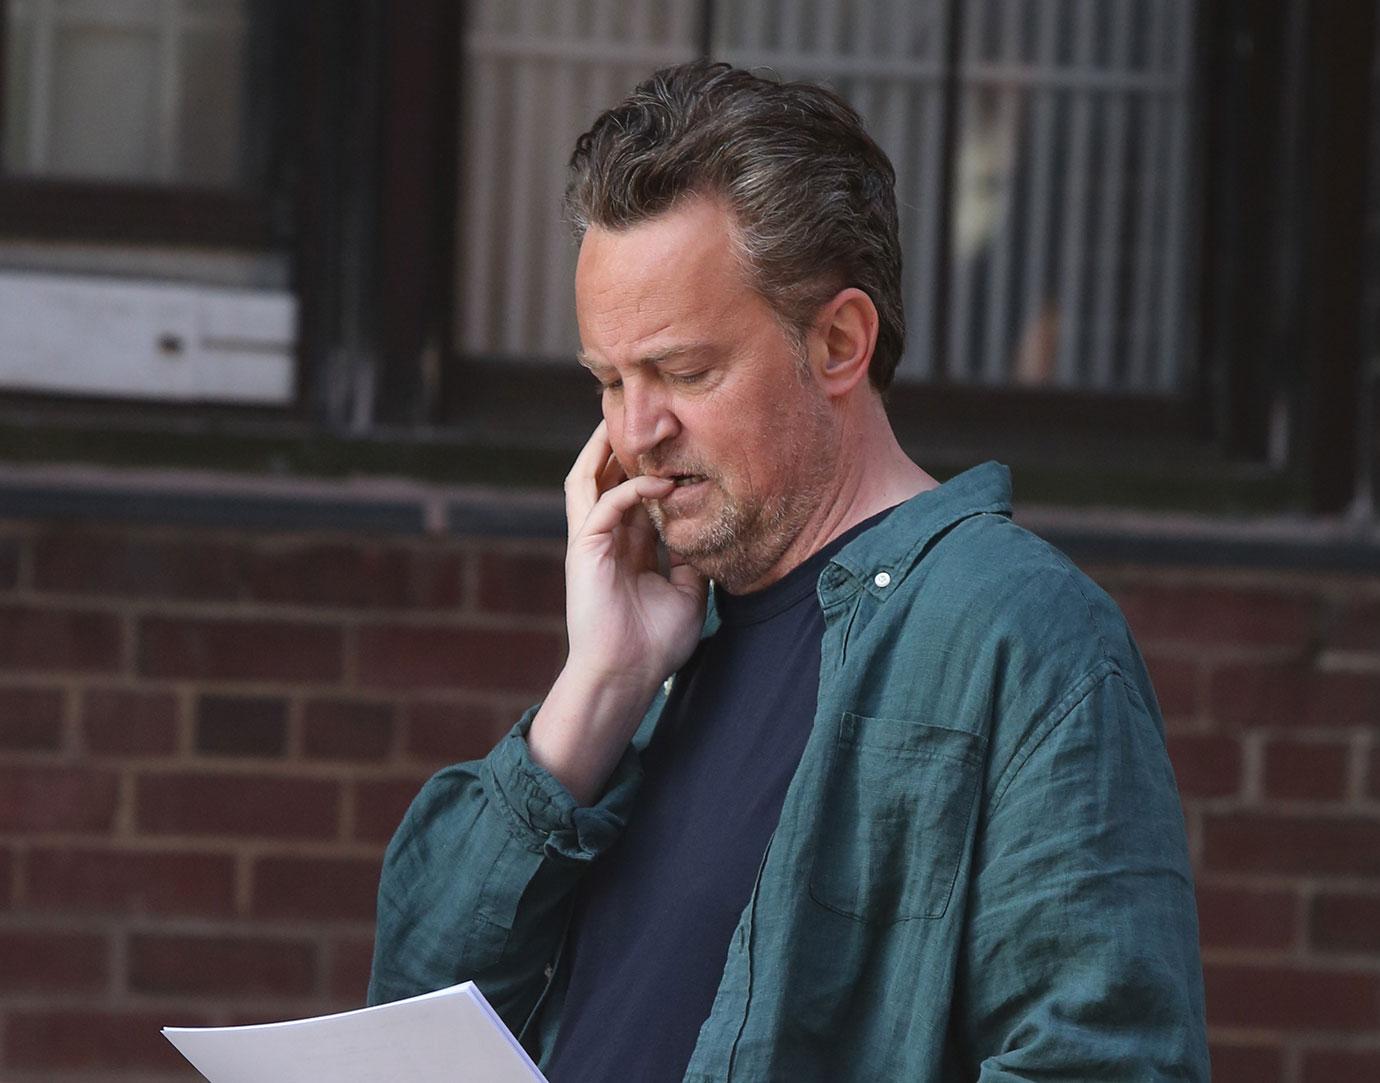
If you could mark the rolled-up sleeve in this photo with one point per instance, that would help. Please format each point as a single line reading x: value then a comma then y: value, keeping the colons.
x: 476, y: 881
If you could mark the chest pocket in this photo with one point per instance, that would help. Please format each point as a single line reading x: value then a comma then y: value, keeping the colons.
x: 896, y: 816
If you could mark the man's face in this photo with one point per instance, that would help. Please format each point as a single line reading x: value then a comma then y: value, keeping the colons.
x: 701, y: 382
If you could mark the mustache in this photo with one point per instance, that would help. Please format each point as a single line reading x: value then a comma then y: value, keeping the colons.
x: 666, y: 465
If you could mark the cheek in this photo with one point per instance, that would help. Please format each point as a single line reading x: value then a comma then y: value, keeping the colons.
x: 613, y: 417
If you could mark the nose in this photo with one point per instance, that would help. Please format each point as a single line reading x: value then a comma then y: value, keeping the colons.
x: 646, y: 419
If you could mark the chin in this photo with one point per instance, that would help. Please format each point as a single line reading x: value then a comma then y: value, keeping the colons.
x: 684, y: 538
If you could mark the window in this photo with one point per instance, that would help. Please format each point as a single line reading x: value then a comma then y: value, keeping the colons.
x: 139, y: 91
x: 1131, y: 227
x: 137, y: 254
x: 1060, y: 130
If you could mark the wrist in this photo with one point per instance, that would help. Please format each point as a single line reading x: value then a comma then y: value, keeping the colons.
x: 584, y: 724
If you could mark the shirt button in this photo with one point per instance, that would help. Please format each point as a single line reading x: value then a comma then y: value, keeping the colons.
x: 882, y: 579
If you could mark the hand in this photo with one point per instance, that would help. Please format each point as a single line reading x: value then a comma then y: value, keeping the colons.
x: 629, y: 626
x: 627, y: 621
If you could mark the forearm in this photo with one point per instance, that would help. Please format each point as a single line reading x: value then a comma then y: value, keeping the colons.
x: 583, y: 728
x: 479, y: 871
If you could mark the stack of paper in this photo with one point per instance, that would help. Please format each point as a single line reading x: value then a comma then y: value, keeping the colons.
x: 449, y: 1036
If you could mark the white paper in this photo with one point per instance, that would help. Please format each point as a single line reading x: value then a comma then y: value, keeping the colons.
x: 448, y: 1036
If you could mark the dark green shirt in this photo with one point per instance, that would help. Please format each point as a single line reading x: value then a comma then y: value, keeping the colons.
x: 979, y: 872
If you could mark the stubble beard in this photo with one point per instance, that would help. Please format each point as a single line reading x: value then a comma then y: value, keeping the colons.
x: 741, y: 542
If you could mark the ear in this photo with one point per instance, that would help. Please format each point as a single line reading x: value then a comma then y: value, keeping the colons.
x: 845, y: 336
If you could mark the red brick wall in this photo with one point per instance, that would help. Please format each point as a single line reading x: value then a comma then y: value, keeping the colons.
x: 206, y: 739
x: 1270, y: 686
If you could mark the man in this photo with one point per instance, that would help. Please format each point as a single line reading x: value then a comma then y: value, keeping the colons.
x: 888, y: 799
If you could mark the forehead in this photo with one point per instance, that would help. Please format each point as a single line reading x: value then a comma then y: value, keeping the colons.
x: 671, y: 275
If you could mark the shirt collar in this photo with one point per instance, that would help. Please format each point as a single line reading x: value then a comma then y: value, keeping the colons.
x: 886, y: 554
x: 895, y: 545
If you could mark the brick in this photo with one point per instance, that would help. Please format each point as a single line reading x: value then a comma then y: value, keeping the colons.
x: 206, y: 804
x: 1341, y: 1066
x: 1345, y: 699
x: 1294, y: 695
x: 1259, y: 694
x: 239, y: 650
x: 347, y: 975
x: 1335, y: 845
x: 379, y: 807
x: 1176, y: 682
x: 128, y: 722
x: 1231, y: 917
x: 81, y: 562
x: 1292, y: 998
x: 130, y: 882
x: 35, y: 640
x: 44, y: 798
x: 9, y: 563
x: 52, y: 962
x: 324, y: 888
x: 1206, y: 766
x: 527, y: 583
x: 343, y: 729
x: 221, y: 966
x: 30, y: 719
x: 412, y: 657
x: 86, y: 1039
x: 454, y: 732
x: 1306, y: 771
x: 1345, y: 922
x: 1359, y: 628
x: 241, y: 725
x: 357, y: 576
x: 1246, y: 1064
x: 1203, y: 614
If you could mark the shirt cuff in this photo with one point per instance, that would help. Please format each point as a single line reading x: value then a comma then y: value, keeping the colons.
x: 541, y: 813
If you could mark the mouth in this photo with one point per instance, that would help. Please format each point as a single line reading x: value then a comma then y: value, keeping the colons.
x: 684, y: 496
x: 682, y: 480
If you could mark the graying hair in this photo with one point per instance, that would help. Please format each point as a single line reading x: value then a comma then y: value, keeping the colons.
x: 813, y: 198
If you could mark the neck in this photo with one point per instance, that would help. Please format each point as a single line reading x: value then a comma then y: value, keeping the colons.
x: 873, y: 473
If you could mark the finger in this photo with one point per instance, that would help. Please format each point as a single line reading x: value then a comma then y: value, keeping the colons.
x: 641, y: 536
x: 640, y: 528
x: 686, y: 577
x: 612, y: 474
x: 609, y: 509
x: 582, y: 483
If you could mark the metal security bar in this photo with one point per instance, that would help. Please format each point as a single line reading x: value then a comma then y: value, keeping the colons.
x: 1074, y: 274
x: 888, y: 59
x: 1062, y: 257
x: 535, y: 73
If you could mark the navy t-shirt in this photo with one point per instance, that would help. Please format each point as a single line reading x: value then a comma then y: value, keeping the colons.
x: 653, y: 918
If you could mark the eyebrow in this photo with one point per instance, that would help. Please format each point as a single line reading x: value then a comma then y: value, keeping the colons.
x: 656, y: 357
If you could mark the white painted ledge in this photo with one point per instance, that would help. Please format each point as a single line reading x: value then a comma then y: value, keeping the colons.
x: 129, y: 339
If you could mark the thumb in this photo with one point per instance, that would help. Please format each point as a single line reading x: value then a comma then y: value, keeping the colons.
x: 688, y: 579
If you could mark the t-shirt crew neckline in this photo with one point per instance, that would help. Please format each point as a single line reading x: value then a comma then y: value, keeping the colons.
x: 793, y: 587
